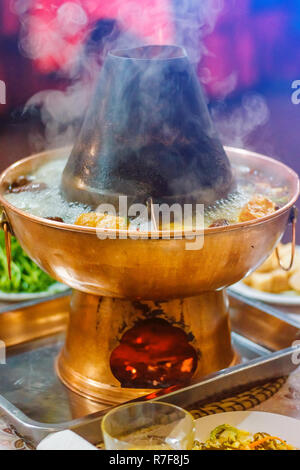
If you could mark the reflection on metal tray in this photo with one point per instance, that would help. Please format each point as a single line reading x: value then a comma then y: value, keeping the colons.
x: 36, y: 403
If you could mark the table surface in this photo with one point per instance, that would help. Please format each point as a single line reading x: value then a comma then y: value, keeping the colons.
x: 286, y: 401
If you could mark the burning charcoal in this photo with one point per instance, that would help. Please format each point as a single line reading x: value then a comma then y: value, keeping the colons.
x: 55, y: 219
x: 219, y: 223
x: 153, y: 353
x: 148, y: 134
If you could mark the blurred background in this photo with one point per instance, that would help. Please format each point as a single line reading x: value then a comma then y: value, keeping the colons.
x: 246, y: 53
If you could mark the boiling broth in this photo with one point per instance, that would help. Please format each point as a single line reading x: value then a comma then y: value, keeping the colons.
x: 39, y: 194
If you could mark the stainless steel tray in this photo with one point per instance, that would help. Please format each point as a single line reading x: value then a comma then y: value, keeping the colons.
x: 36, y: 403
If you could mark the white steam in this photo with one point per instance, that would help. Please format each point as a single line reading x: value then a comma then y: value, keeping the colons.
x: 62, y: 111
x: 235, y: 126
x: 194, y: 20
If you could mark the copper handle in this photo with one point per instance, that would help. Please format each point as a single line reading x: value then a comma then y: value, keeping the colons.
x: 5, y: 225
x: 293, y: 221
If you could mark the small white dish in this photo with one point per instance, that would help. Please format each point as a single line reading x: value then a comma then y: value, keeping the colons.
x: 290, y: 297
x: 65, y: 440
x: 285, y: 298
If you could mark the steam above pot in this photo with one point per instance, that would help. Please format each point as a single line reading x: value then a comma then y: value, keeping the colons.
x: 147, y: 134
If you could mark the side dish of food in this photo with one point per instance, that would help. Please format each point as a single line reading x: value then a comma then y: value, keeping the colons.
x: 270, y: 277
x: 247, y: 430
x: 226, y: 437
x: 26, y: 276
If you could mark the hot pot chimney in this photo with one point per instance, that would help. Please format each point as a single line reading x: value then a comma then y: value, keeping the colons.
x: 147, y: 133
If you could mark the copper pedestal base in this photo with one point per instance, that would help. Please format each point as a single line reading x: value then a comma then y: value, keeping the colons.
x: 97, y: 324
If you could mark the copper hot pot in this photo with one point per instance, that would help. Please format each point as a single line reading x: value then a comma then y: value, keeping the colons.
x: 120, y: 283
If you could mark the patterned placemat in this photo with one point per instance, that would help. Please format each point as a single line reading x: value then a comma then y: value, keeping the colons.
x: 241, y: 401
x: 10, y: 439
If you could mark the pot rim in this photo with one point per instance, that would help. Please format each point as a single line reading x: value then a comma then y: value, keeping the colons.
x: 151, y: 235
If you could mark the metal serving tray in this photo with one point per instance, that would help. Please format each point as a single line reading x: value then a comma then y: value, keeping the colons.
x: 36, y: 403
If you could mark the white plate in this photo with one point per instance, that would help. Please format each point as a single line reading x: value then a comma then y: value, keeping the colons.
x: 18, y: 297
x: 281, y: 426
x: 285, y: 298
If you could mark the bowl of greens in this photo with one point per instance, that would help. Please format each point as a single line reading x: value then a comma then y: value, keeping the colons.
x: 27, y: 281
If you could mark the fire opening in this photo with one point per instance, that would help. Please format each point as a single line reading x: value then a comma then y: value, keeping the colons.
x: 153, y: 354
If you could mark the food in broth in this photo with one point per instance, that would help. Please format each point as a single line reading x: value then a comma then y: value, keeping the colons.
x: 256, y: 195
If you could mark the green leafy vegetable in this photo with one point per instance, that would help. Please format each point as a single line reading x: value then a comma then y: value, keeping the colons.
x: 26, y: 276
